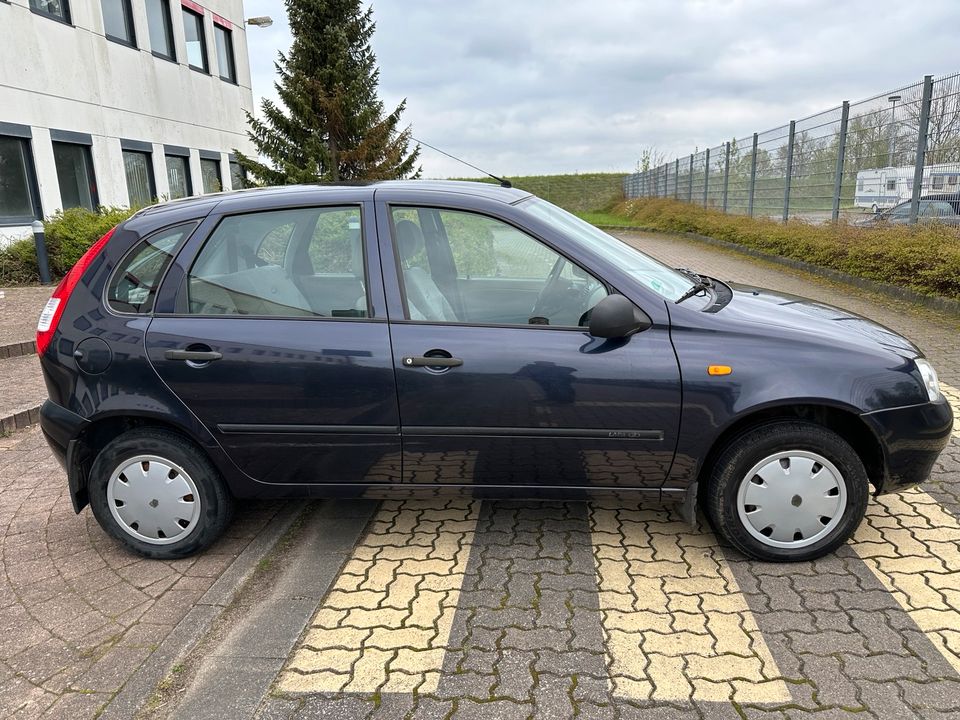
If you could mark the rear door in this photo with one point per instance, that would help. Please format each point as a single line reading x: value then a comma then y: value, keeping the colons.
x: 271, y: 329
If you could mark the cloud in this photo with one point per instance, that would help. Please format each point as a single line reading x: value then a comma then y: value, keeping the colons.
x: 542, y: 86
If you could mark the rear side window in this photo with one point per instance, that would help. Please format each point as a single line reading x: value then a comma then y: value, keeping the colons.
x: 301, y: 262
x: 133, y: 287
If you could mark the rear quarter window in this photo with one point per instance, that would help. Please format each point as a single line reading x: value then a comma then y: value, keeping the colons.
x: 133, y: 286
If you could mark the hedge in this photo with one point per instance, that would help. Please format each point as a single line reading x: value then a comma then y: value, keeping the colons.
x: 924, y: 258
x: 69, y: 233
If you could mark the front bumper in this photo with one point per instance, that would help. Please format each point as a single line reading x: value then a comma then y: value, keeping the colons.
x: 61, y: 428
x: 912, y: 438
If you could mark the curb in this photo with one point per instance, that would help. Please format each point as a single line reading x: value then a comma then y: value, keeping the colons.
x: 19, y: 349
x: 895, y: 292
x: 198, y: 621
x: 20, y: 420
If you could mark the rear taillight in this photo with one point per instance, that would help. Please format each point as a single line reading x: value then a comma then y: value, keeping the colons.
x: 50, y: 317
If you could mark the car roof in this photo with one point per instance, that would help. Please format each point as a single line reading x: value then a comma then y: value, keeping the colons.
x: 204, y: 203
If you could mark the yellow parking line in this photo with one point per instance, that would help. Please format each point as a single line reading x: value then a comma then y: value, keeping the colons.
x: 386, y: 622
x: 675, y: 622
x: 913, y: 547
x: 953, y: 396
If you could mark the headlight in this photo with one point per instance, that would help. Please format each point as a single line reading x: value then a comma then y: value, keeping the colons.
x: 930, y: 380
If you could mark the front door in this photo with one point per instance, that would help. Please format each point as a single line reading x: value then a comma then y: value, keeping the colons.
x: 498, y: 380
x: 275, y: 347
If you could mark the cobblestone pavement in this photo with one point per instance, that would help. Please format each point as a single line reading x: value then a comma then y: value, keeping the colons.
x: 78, y: 615
x: 466, y: 609
x: 19, y: 311
x: 459, y: 608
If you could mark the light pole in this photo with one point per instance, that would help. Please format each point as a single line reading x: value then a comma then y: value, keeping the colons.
x: 893, y: 99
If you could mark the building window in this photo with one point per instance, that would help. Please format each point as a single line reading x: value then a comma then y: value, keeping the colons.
x: 228, y: 68
x: 140, y: 186
x: 238, y: 176
x: 938, y: 182
x: 178, y: 176
x: 18, y: 193
x: 118, y: 21
x: 210, y: 172
x: 78, y: 184
x: 57, y: 9
x: 161, y: 29
x: 196, y: 41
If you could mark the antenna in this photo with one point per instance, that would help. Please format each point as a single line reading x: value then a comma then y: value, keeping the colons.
x: 503, y: 182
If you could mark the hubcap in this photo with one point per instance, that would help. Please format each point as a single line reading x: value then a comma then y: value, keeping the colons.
x: 791, y: 499
x: 153, y: 500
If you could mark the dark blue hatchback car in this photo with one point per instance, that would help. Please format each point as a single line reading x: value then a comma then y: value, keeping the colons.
x: 411, y: 337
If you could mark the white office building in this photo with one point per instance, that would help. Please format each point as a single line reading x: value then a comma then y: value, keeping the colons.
x: 118, y: 102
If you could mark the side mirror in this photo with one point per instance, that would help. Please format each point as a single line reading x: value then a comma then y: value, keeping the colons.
x: 617, y: 317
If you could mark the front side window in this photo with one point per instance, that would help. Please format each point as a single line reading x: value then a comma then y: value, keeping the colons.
x: 133, y: 287
x: 210, y: 174
x: 468, y: 268
x: 901, y: 211
x: 305, y: 262
x: 78, y: 186
x: 58, y: 9
x: 118, y: 21
x: 196, y: 41
x: 650, y: 273
x: 18, y: 199
x: 860, y: 184
x: 178, y: 176
x: 225, y: 61
x: 161, y: 29
x: 140, y: 185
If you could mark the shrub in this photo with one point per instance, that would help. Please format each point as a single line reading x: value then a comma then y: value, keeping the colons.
x: 924, y: 258
x: 69, y: 234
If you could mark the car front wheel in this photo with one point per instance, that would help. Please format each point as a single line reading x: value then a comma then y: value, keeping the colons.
x: 787, y: 491
x: 158, y: 494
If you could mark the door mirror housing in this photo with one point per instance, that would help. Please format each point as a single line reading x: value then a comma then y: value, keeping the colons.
x: 617, y: 317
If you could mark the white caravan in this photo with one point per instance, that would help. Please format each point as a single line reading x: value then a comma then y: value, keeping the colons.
x: 885, y: 187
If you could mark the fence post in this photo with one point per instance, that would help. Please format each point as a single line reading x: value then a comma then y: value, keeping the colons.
x: 706, y: 176
x: 841, y: 153
x: 753, y: 176
x: 786, y: 180
x: 924, y: 126
x: 726, y: 176
x: 676, y: 179
x: 690, y: 181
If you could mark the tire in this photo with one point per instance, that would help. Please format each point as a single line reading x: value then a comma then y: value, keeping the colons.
x: 174, y: 502
x: 784, y: 518
x: 875, y: 208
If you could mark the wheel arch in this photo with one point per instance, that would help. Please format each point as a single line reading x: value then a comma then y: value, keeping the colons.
x: 845, y: 422
x: 100, y: 431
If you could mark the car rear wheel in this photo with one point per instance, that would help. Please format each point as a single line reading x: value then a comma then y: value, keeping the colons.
x: 158, y: 494
x: 787, y: 491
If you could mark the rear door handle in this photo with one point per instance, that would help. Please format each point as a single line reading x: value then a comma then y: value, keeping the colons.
x: 193, y: 355
x: 432, y: 362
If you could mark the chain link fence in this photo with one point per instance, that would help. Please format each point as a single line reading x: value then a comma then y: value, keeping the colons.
x: 895, y: 155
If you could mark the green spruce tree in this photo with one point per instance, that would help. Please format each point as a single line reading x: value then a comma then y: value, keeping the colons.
x: 334, y: 128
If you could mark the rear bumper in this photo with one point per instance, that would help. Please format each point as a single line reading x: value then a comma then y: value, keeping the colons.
x: 912, y: 438
x: 61, y: 428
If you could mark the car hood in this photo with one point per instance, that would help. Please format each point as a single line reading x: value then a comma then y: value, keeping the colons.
x: 818, y: 322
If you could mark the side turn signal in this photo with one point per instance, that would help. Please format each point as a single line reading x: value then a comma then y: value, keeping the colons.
x: 719, y: 369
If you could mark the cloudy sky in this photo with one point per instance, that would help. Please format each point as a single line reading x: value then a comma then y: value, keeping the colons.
x: 544, y: 86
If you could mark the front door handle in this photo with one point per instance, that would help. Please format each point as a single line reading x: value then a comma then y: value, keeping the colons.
x: 432, y: 362
x: 193, y: 355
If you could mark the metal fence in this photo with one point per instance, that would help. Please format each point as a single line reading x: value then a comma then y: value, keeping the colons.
x: 894, y: 153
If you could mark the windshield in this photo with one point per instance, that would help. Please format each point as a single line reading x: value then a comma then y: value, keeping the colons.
x: 653, y: 274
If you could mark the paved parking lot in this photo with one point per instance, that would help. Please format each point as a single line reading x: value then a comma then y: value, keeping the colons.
x: 457, y: 608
